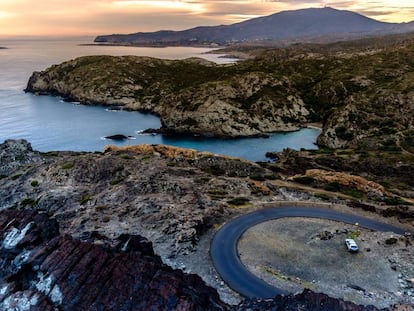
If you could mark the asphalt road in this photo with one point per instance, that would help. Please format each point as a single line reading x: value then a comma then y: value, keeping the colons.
x: 226, y: 258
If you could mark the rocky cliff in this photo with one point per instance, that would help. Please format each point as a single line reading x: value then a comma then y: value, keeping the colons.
x: 363, y: 96
x: 190, y: 96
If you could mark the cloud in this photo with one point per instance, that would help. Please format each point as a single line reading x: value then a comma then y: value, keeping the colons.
x: 61, y: 17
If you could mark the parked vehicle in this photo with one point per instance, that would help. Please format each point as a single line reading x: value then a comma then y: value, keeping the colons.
x: 351, y: 245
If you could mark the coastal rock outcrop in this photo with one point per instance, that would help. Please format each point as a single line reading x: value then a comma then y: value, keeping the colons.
x: 190, y: 96
x: 44, y: 270
x: 167, y: 194
x: 363, y: 98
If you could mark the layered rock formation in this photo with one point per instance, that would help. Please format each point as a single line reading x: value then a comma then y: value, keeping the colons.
x: 43, y: 270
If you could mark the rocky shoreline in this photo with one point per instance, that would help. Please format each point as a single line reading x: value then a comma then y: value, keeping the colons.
x: 190, y: 104
x: 278, y: 90
x: 171, y: 196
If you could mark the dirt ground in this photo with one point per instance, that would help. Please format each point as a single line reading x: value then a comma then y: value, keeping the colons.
x: 297, y: 253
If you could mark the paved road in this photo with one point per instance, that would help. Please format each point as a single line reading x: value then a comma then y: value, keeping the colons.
x: 226, y: 258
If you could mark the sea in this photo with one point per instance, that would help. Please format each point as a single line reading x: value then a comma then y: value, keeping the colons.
x: 50, y: 124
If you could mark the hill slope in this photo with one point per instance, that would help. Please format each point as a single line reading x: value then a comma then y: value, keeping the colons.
x: 301, y: 25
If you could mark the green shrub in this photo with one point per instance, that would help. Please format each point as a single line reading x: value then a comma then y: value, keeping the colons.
x: 34, y: 183
x: 115, y: 181
x: 394, y: 201
x: 354, y: 193
x: 215, y: 170
x: 271, y: 177
x: 68, y: 165
x: 29, y: 201
x: 85, y: 199
x: 305, y: 180
x: 14, y: 177
x: 332, y: 186
x: 258, y: 177
x: 126, y: 156
x: 238, y: 201
x: 343, y: 133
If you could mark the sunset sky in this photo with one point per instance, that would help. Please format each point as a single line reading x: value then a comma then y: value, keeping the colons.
x: 92, y: 17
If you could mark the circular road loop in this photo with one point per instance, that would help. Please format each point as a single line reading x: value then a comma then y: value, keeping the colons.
x: 226, y: 258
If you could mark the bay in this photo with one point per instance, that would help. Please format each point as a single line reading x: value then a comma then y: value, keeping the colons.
x: 51, y: 124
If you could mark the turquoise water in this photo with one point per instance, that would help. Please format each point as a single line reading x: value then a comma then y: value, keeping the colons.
x: 51, y: 124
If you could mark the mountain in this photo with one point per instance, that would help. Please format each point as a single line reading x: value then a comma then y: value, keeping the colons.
x: 325, y: 24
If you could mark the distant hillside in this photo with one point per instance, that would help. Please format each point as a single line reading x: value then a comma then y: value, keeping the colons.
x: 324, y: 24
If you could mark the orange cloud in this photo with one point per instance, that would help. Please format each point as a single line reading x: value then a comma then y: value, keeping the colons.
x: 59, y: 17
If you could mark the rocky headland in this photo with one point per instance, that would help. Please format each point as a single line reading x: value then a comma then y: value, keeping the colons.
x: 362, y: 97
x: 63, y: 213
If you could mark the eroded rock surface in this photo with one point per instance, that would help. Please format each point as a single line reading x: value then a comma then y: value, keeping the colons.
x: 44, y: 270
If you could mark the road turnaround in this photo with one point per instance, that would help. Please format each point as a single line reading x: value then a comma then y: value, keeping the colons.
x: 226, y: 258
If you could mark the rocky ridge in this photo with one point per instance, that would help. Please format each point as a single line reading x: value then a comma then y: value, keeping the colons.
x: 305, y: 25
x: 171, y: 196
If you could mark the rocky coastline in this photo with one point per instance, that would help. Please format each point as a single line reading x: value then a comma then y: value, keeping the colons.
x: 104, y: 203
x: 189, y: 104
x: 278, y: 90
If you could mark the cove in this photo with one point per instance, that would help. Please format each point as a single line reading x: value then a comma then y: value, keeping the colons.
x: 51, y: 124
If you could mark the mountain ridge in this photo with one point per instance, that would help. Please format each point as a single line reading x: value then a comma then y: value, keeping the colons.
x: 327, y: 24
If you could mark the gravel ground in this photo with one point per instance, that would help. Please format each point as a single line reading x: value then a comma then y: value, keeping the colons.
x: 297, y: 253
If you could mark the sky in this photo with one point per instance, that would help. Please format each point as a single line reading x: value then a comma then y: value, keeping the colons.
x: 94, y: 17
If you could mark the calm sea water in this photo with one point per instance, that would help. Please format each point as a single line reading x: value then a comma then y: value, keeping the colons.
x: 51, y: 124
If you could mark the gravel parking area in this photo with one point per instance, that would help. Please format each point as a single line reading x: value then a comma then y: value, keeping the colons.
x: 297, y: 253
